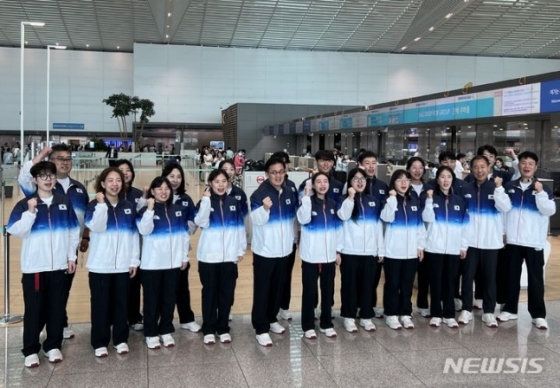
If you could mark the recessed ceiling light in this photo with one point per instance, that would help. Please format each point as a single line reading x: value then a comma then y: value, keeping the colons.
x: 167, y: 26
x: 118, y: 47
x: 431, y: 29
x: 169, y: 14
x: 26, y: 42
x: 404, y: 47
x: 448, y: 15
x: 167, y: 36
x: 87, y: 45
x: 417, y: 39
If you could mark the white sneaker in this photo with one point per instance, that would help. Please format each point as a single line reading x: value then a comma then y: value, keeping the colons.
x: 504, y: 316
x: 393, y: 322
x: 477, y: 304
x: 424, y: 312
x: 330, y: 332
x: 310, y: 334
x: 458, y: 304
x: 285, y: 315
x: 277, y: 328
x: 153, y: 342
x: 138, y: 326
x: 367, y: 324
x: 264, y: 339
x: 435, y: 322
x: 350, y: 325
x: 191, y: 326
x: 540, y: 323
x: 122, y: 348
x: 167, y: 340
x: 502, y: 305
x: 451, y: 322
x: 378, y: 312
x: 54, y: 355
x: 32, y: 361
x: 68, y: 333
x: 101, y: 352
x: 490, y: 320
x: 406, y: 321
x: 209, y: 339
x: 465, y: 317
x: 225, y: 338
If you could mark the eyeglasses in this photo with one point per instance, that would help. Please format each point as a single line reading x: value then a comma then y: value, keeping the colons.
x: 63, y: 160
x: 356, y: 179
x: 402, y: 180
x: 275, y: 173
x: 46, y: 177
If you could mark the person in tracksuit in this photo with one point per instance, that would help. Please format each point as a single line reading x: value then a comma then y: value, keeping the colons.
x: 363, y: 247
x: 165, y: 249
x: 405, y: 239
x: 321, y: 240
x: 138, y: 197
x: 416, y: 168
x: 61, y: 156
x: 273, y: 211
x: 530, y: 205
x: 446, y: 244
x: 367, y: 160
x: 49, y: 228
x: 113, y: 259
x: 221, y: 246
x: 176, y: 176
x: 485, y: 238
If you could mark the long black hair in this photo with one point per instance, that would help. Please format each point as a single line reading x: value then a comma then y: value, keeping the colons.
x: 439, y: 172
x: 130, y: 167
x: 157, y: 182
x: 356, y: 210
x: 167, y: 170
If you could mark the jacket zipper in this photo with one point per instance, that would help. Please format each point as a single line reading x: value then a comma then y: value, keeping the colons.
x: 326, y: 233
x: 223, y: 232
x: 117, y: 225
x: 446, y: 222
x: 170, y: 237
x: 520, y: 211
x: 406, y: 223
x: 478, y: 217
x: 363, y: 224
x: 50, y: 232
x: 281, y: 223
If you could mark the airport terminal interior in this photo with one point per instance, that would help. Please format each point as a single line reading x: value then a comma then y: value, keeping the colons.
x: 399, y: 78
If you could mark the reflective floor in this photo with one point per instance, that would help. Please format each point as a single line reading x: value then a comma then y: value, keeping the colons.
x: 384, y: 358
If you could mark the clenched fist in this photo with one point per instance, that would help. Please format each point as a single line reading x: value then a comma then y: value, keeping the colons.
x: 393, y: 193
x: 100, y: 197
x: 32, y: 205
x: 538, y: 186
x: 351, y: 192
x: 150, y: 202
x: 430, y: 194
x: 267, y: 203
x: 498, y: 181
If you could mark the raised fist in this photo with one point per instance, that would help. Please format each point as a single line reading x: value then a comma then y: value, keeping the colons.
x: 207, y: 192
x: 538, y: 186
x: 100, y: 197
x: 150, y: 202
x: 307, y: 191
x: 351, y: 192
x: 267, y: 203
x: 430, y: 194
x: 32, y: 205
x: 393, y: 193
x: 498, y: 181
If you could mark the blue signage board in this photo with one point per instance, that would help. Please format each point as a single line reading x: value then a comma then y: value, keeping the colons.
x: 395, y: 115
x: 550, y: 96
x: 79, y: 126
x: 346, y: 123
x: 324, y: 125
x: 292, y: 127
x: 306, y: 126
x: 281, y: 129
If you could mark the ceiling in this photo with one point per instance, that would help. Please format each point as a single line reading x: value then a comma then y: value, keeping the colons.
x: 511, y: 28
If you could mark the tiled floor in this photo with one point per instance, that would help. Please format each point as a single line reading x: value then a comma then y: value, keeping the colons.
x: 384, y: 358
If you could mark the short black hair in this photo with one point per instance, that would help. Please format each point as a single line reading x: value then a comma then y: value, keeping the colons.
x: 130, y: 167
x: 366, y: 154
x: 282, y: 155
x: 487, y: 147
x: 215, y: 173
x: 480, y: 157
x: 431, y: 165
x: 324, y: 155
x: 158, y: 182
x: 272, y: 161
x: 60, y: 148
x: 446, y: 155
x: 410, y: 161
x: 42, y: 168
x: 104, y: 174
x: 528, y: 155
x: 461, y: 155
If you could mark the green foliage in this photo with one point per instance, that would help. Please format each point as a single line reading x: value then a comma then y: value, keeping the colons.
x: 124, y: 105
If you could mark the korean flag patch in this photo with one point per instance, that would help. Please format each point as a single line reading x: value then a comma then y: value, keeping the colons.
x: 232, y: 208
x: 535, y: 192
x: 468, y: 196
x: 435, y: 206
x: 490, y: 196
x: 185, y: 203
x: 127, y: 211
x: 238, y: 197
x: 371, y: 204
x: 457, y: 207
x: 62, y: 206
x: 511, y: 191
x: 382, y: 192
x: 313, y: 213
x: 178, y: 213
x: 79, y: 191
x: 336, y: 190
x: 332, y: 211
x: 413, y: 208
x: 156, y: 217
x: 288, y: 202
x: 137, y: 200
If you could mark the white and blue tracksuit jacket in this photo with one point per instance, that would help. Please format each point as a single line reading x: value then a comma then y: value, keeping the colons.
x: 134, y: 195
x: 335, y: 188
x: 448, y: 220
x: 187, y: 205
x: 77, y: 193
x: 273, y: 230
x: 165, y: 236
x: 527, y: 213
x: 404, y: 229
x: 50, y: 235
x: 486, y: 228
x: 363, y: 236
x: 321, y: 230
x: 115, y: 244
x: 223, y: 237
